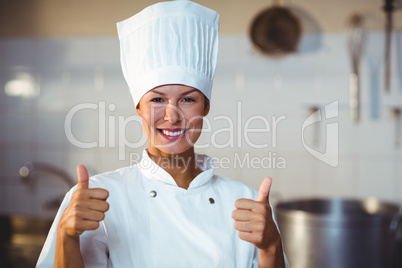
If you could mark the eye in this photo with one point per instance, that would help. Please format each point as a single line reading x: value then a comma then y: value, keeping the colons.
x: 156, y: 100
x: 188, y: 99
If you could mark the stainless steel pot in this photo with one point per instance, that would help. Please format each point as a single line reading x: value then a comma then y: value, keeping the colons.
x: 338, y: 233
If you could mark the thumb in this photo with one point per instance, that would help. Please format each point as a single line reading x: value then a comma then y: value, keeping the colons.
x: 83, y: 177
x: 265, y: 187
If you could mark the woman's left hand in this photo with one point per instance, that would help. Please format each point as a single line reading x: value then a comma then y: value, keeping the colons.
x: 253, y: 220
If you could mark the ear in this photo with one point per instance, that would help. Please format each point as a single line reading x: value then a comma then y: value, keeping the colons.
x: 206, y: 109
x: 138, y: 110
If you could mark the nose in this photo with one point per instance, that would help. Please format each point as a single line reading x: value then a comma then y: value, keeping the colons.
x: 172, y: 114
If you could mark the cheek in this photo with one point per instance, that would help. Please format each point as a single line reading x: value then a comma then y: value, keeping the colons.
x: 145, y: 127
x: 199, y: 122
x: 195, y: 120
x: 147, y: 120
x: 150, y: 117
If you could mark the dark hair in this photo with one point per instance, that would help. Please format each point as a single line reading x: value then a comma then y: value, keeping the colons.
x: 206, y: 100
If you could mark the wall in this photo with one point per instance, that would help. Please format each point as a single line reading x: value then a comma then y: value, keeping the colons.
x: 98, y: 17
x: 248, y: 87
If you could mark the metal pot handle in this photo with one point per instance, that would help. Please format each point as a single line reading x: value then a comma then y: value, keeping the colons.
x: 396, y: 224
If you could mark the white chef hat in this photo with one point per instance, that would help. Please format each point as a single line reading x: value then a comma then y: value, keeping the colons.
x: 173, y: 42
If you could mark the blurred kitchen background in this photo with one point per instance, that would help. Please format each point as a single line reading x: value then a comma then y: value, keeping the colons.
x: 55, y: 55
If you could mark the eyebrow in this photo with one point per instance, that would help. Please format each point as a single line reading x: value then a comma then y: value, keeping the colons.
x: 184, y: 93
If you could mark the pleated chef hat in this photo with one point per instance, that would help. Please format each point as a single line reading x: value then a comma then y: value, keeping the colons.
x: 173, y: 42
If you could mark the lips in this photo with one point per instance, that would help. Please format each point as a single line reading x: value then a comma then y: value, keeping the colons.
x: 173, y: 134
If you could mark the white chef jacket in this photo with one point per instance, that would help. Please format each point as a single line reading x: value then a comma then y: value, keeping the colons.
x: 154, y: 223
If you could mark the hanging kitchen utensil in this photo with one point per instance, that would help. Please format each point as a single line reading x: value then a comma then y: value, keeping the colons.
x: 315, y: 110
x: 399, y: 59
x: 397, y: 114
x: 374, y: 43
x: 355, y: 44
x: 389, y: 7
x: 311, y: 38
x: 276, y: 31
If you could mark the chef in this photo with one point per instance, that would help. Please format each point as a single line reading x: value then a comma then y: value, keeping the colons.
x: 169, y: 210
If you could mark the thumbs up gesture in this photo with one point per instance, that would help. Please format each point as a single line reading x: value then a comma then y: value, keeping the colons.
x: 253, y: 220
x: 86, y: 209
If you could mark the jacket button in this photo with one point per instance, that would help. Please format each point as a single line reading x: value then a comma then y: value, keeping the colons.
x: 152, y: 193
x: 211, y: 200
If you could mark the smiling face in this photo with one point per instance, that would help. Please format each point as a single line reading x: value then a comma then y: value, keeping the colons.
x: 172, y: 117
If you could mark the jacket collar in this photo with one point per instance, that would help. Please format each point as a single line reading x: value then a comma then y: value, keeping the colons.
x: 153, y: 171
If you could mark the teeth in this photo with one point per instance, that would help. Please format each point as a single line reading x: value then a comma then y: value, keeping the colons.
x: 173, y: 133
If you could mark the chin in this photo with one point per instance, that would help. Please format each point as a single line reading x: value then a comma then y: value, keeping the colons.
x: 175, y: 149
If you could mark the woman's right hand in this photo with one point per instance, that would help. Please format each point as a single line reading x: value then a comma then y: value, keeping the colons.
x: 86, y: 209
